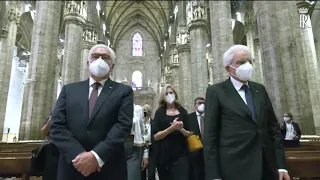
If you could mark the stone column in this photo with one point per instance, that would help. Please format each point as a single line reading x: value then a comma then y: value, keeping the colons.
x: 74, y: 17
x: 89, y: 40
x: 210, y: 68
x: 317, y: 45
x: 221, y: 36
x: 7, y: 44
x: 288, y: 80
x: 198, y: 29
x: 58, y: 72
x: 311, y: 64
x: 183, y: 49
x: 174, y: 65
x: 37, y: 102
x: 253, y: 44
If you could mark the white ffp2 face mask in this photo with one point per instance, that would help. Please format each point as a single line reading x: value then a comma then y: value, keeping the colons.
x: 286, y: 119
x: 201, y: 108
x: 244, y: 71
x: 170, y: 98
x: 99, y: 68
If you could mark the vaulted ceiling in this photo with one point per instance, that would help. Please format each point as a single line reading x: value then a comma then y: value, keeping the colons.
x: 123, y: 16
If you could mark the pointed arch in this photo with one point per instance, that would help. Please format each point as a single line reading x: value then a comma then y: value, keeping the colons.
x: 136, y: 80
x: 137, y: 44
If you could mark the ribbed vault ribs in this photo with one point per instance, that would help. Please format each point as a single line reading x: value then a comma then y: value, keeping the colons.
x: 123, y: 16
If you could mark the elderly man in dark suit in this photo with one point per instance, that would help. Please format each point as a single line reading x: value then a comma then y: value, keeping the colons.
x: 91, y: 121
x: 242, y: 138
x: 196, y: 125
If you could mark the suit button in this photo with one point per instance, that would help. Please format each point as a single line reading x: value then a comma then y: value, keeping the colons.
x: 88, y: 132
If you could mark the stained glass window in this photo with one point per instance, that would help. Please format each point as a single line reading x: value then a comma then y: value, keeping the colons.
x: 137, y: 45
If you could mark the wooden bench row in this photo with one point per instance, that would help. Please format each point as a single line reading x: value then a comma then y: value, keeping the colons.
x: 15, y: 160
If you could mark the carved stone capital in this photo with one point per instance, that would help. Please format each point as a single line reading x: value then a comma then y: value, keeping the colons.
x: 174, y: 59
x: 14, y: 13
x: 162, y: 81
x: 87, y: 44
x: 75, y: 12
x: 196, y: 10
x: 74, y: 18
x: 167, y: 71
x: 183, y: 48
x: 89, y: 34
x: 78, y: 7
x: 199, y: 23
x: 172, y: 45
x: 183, y: 36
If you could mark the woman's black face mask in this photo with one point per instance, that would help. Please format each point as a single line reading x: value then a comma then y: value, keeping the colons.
x: 145, y: 114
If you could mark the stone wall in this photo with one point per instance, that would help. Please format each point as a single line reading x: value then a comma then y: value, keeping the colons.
x: 148, y: 65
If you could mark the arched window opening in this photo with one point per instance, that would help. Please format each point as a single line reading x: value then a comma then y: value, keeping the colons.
x: 136, y: 80
x: 137, y: 45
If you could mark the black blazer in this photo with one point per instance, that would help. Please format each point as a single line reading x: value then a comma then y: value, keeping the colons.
x: 295, y: 127
x: 73, y: 131
x: 194, y: 127
x: 235, y: 145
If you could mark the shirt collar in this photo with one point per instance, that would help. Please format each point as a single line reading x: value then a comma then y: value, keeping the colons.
x: 92, y: 81
x: 237, y: 84
x: 198, y: 114
x: 288, y: 123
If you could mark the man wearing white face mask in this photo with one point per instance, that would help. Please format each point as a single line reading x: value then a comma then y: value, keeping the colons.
x: 91, y: 121
x: 290, y: 131
x: 242, y: 138
x: 196, y: 125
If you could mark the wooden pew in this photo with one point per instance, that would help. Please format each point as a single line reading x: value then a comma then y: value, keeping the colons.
x: 304, y: 161
x: 15, y: 159
x: 303, y: 164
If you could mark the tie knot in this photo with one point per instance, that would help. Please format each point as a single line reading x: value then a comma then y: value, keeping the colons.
x: 245, y: 87
x: 96, y: 85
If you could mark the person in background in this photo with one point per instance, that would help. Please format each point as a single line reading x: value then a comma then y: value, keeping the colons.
x: 51, y: 153
x: 290, y: 131
x: 149, y: 173
x: 196, y: 124
x: 137, y: 152
x: 170, y: 130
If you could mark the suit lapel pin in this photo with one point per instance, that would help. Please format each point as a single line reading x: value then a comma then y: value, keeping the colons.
x: 110, y: 87
x: 257, y: 91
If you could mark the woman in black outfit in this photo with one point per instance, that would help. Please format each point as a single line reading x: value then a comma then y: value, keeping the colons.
x: 170, y: 130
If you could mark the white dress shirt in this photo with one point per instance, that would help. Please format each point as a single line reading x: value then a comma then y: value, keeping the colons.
x: 147, y: 132
x: 237, y: 85
x: 290, y: 131
x: 91, y: 82
x: 137, y: 129
x: 199, y: 119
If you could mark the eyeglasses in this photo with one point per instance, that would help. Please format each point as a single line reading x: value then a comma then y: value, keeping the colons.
x: 97, y: 56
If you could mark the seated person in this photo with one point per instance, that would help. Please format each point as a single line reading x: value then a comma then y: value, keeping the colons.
x: 290, y: 132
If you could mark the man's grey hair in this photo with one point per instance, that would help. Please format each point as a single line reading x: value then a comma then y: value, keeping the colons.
x: 110, y: 51
x: 228, y: 55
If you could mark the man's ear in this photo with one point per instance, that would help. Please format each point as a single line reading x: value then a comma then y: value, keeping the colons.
x: 111, y: 67
x: 228, y: 68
